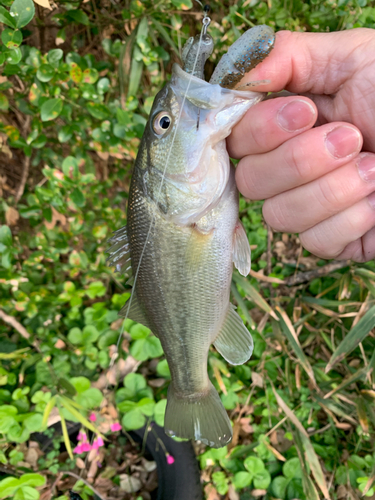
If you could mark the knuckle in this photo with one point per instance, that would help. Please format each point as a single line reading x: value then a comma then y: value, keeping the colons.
x: 298, y: 162
x: 273, y: 214
x: 316, y: 241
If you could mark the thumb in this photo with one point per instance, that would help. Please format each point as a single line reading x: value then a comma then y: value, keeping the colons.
x: 313, y: 62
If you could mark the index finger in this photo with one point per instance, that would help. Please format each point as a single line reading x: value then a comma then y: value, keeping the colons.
x: 270, y: 123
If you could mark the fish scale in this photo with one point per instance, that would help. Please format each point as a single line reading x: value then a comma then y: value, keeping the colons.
x: 183, y: 236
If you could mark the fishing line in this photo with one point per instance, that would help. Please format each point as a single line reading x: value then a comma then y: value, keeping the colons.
x: 205, y: 21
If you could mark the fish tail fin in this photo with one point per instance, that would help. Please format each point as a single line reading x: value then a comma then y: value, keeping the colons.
x: 201, y: 417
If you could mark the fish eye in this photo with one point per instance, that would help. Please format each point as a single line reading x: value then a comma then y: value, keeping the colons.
x: 162, y: 122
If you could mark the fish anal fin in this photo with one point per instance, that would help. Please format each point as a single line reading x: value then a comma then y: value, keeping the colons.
x: 241, y: 250
x: 136, y: 311
x: 234, y: 341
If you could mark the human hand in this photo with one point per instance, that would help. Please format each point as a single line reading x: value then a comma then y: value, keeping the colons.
x: 315, y: 180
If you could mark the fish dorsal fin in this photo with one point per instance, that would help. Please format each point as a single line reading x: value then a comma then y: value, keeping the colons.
x: 234, y: 341
x: 136, y: 312
x: 119, y: 252
x: 241, y: 250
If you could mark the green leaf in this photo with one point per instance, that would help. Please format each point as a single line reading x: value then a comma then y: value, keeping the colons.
x: 135, y: 382
x: 99, y: 111
x: 51, y: 109
x: 146, y: 406
x: 45, y: 73
x: 23, y: 11
x: 91, y: 398
x: 75, y: 73
x: 4, y: 103
x: 75, y: 336
x: 139, y: 331
x: 356, y: 335
x: 96, y: 289
x: 33, y: 423
x: 26, y: 493
x: 279, y: 485
x: 11, y: 39
x: 79, y: 17
x: 292, y: 468
x: 18, y: 434
x: 90, y: 75
x: 153, y: 347
x: 262, y: 480
x: 81, y: 384
x: 13, y: 56
x: 132, y: 420
x: 78, y: 198
x: 6, y: 18
x: 54, y: 56
x: 5, y: 236
x: 90, y: 334
x: 254, y: 465
x: 35, y: 480
x: 159, y: 412
x: 162, y: 369
x: 65, y: 133
x: 242, y: 480
x: 6, y: 422
x: 182, y: 4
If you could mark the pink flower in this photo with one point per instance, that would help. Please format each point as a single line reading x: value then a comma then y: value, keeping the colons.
x: 100, y: 441
x: 85, y: 447
x: 81, y: 436
x: 78, y: 449
x: 92, y: 417
x: 170, y: 459
x: 116, y: 427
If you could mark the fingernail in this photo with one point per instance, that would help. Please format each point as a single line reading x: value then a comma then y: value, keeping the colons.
x: 366, y: 167
x: 343, y: 141
x: 371, y: 200
x: 295, y: 115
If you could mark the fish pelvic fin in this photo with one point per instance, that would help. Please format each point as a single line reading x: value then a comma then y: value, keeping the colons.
x: 201, y: 417
x: 241, y: 250
x: 234, y: 341
x: 119, y: 251
x: 136, y: 311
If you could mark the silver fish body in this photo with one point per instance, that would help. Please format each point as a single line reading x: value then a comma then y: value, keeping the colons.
x: 182, y: 238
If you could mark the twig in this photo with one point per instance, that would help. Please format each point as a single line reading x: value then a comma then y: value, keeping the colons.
x: 11, y: 320
x: 25, y: 174
x: 84, y: 481
x: 269, y: 249
x: 307, y: 276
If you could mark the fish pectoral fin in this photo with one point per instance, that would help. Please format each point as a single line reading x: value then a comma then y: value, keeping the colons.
x: 234, y: 341
x: 119, y: 252
x: 136, y: 312
x: 241, y: 250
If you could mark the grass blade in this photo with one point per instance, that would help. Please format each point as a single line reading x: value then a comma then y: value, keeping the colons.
x: 242, y: 306
x: 308, y: 486
x: 333, y: 408
x: 164, y: 34
x: 49, y: 407
x: 289, y: 332
x: 349, y: 380
x: 356, y: 335
x: 311, y: 456
x: 254, y: 295
x: 66, y: 435
x: 67, y: 404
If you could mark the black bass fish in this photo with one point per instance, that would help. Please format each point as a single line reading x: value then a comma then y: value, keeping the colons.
x: 184, y: 235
